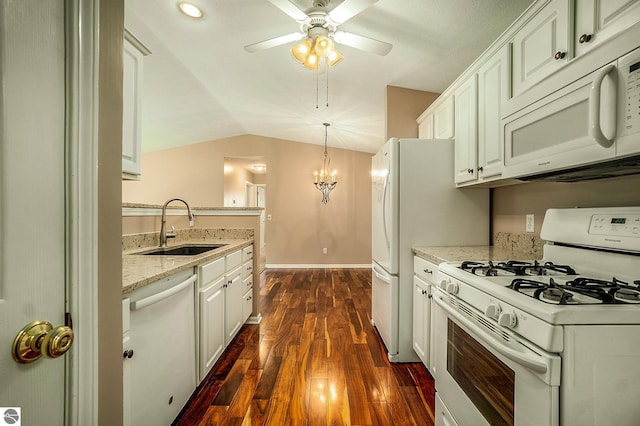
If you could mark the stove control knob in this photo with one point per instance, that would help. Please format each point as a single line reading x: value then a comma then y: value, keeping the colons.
x: 452, y: 287
x: 507, y: 319
x: 492, y: 310
x: 443, y: 284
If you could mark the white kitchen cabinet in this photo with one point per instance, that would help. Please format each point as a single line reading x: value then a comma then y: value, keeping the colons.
x: 541, y: 46
x: 128, y: 353
x: 424, y: 278
x: 247, y: 283
x: 443, y: 119
x: 466, y: 126
x: 493, y: 91
x: 211, y: 321
x: 425, y: 126
x: 233, y: 293
x: 421, y: 313
x: 599, y: 20
x: 132, y: 59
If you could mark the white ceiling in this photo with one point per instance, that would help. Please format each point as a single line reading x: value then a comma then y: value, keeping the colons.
x: 200, y: 84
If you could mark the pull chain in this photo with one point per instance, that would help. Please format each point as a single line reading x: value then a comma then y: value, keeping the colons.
x: 317, y: 85
x: 327, y: 67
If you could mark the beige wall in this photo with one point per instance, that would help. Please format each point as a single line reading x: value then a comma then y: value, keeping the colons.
x: 109, y: 295
x: 404, y: 106
x: 510, y: 204
x: 301, y: 225
x: 235, y: 179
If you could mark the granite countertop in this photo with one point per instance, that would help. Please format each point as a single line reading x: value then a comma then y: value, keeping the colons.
x: 477, y: 253
x: 139, y: 270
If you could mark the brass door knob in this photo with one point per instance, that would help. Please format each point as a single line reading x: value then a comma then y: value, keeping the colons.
x: 39, y: 338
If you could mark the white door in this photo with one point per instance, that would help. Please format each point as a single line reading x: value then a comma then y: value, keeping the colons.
x: 33, y: 228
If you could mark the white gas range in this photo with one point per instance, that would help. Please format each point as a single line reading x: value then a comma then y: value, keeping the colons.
x: 550, y: 342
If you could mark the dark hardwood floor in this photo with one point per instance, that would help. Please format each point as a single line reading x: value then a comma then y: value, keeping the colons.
x: 314, y: 360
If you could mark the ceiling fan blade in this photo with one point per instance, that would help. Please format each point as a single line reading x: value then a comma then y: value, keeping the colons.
x: 290, y: 9
x: 363, y: 43
x: 348, y: 9
x: 268, y: 44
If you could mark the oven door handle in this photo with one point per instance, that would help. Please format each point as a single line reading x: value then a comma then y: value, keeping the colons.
x: 518, y: 357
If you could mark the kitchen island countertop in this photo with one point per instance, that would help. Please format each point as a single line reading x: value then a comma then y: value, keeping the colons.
x: 139, y: 270
x: 473, y: 253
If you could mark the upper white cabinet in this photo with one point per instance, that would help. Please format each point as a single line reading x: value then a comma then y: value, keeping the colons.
x: 437, y: 121
x: 466, y: 125
x: 443, y: 127
x: 541, y: 46
x: 493, y: 91
x: 598, y: 20
x: 132, y: 59
x: 425, y: 127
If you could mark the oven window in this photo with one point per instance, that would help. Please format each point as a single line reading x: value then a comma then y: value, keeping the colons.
x: 486, y: 380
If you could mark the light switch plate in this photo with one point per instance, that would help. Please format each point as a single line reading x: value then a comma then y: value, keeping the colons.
x: 530, y: 223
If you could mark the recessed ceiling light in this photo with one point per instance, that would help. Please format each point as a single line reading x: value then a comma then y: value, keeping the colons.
x: 190, y: 10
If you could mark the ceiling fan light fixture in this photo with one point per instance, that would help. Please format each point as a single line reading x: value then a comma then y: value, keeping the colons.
x: 334, y: 58
x: 301, y: 50
x: 323, y: 46
x: 312, y: 61
x: 190, y: 10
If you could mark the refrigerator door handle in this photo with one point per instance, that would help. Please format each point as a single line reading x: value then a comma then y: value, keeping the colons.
x: 381, y: 274
x: 384, y: 209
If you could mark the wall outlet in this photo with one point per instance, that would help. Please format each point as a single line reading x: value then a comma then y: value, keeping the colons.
x: 268, y: 217
x: 324, y: 250
x: 530, y: 223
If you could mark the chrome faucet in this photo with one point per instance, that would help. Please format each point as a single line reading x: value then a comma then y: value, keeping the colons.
x: 163, y: 227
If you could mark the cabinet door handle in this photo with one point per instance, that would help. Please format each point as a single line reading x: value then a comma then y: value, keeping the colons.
x: 560, y: 55
x: 585, y: 38
x: 470, y: 171
x: 428, y: 271
x: 480, y: 168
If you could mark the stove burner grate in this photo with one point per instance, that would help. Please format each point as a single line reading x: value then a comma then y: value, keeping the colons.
x: 598, y: 291
x: 515, y: 267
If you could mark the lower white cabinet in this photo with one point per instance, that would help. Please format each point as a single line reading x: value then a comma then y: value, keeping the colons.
x: 224, y: 301
x: 424, y: 279
x: 233, y: 319
x: 212, y: 333
x: 421, y: 316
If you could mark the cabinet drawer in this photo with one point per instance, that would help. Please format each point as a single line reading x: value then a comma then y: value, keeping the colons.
x: 234, y: 260
x: 247, y: 269
x: 247, y: 283
x: 425, y: 269
x: 247, y: 253
x: 210, y: 271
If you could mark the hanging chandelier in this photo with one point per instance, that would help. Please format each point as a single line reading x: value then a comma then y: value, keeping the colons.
x: 325, y: 180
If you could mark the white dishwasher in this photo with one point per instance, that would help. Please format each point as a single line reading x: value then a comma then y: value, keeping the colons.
x: 162, y: 336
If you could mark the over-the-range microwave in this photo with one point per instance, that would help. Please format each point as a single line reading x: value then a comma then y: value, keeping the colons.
x: 588, y: 129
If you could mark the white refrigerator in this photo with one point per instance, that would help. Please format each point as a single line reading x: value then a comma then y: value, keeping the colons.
x: 415, y: 204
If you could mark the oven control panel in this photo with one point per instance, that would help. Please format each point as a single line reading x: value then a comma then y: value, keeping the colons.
x: 615, y: 225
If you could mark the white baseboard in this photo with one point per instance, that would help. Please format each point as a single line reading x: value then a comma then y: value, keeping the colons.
x: 317, y: 266
x: 254, y: 319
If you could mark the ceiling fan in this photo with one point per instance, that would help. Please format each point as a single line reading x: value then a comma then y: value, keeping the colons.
x: 319, y: 30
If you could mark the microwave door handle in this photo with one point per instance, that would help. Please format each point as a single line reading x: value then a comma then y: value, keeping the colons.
x: 594, y: 108
x: 528, y: 361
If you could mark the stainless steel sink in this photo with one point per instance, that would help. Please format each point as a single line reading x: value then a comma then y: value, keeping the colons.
x: 185, y: 250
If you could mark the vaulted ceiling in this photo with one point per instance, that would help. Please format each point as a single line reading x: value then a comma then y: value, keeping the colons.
x: 200, y: 83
